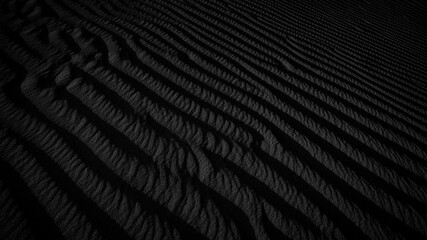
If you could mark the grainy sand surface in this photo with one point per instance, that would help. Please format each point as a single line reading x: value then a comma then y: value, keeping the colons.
x: 213, y: 119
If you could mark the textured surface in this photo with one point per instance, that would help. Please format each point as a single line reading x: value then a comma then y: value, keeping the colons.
x: 209, y: 119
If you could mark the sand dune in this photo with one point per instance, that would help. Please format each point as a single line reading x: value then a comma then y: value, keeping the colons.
x: 213, y: 119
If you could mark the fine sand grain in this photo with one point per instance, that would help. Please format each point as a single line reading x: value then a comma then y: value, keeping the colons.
x: 213, y: 119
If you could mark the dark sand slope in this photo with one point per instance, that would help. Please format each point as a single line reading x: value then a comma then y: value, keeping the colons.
x: 269, y: 119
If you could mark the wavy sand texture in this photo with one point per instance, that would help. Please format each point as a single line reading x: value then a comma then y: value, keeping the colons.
x: 266, y: 119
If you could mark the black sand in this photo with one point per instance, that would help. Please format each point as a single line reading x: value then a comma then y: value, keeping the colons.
x: 271, y: 119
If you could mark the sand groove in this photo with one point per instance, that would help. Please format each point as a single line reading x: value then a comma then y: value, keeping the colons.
x: 213, y: 119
